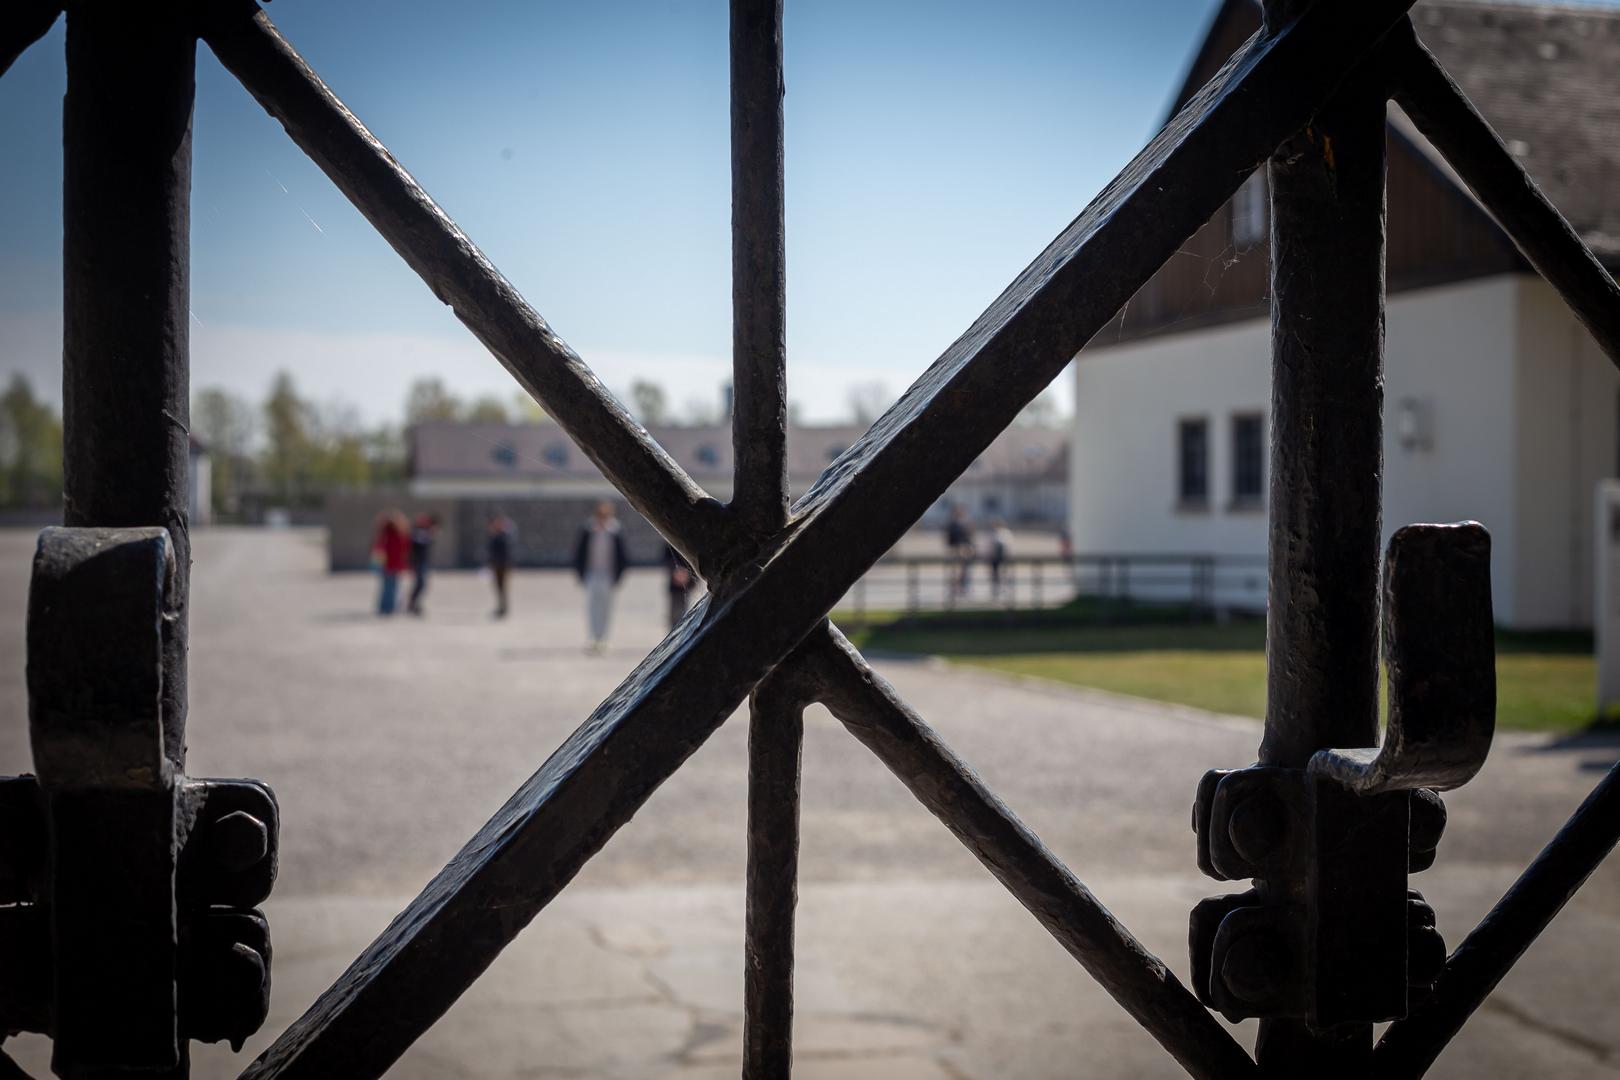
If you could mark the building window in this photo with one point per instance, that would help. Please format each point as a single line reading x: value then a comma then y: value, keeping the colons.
x: 557, y: 455
x: 1249, y: 212
x: 505, y: 455
x: 1248, y: 459
x: 1192, y: 455
x: 708, y: 455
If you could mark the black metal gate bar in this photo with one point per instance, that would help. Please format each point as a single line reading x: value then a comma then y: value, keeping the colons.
x: 602, y: 773
x: 247, y: 43
x: 1411, y: 1045
x: 759, y: 507
x: 22, y: 23
x: 869, y: 707
x: 126, y: 311
x: 1327, y: 345
x: 125, y: 407
x: 1449, y: 120
x: 775, y: 742
x: 758, y: 269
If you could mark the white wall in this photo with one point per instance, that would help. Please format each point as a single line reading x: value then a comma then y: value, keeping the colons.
x: 1450, y: 349
x: 1568, y: 395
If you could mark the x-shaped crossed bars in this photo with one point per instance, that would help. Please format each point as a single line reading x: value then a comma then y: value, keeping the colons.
x: 774, y: 574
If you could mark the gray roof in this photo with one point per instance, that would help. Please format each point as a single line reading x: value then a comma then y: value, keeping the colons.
x: 1547, y: 77
x: 449, y: 450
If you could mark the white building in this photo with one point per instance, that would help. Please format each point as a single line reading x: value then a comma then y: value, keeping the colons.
x: 1498, y: 405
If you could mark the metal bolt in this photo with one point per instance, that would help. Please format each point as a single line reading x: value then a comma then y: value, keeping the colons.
x: 239, y: 841
x: 1252, y: 966
x: 1258, y: 827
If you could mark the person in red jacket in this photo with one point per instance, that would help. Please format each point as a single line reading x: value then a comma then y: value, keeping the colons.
x: 391, y: 555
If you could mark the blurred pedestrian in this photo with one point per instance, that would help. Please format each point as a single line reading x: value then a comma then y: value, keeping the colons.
x: 390, y: 554
x: 998, y: 551
x: 959, y: 546
x: 681, y: 580
x: 498, y: 557
x: 599, y: 561
x: 422, y: 533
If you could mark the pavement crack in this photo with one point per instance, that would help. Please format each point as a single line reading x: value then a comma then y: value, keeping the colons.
x: 1519, y: 1014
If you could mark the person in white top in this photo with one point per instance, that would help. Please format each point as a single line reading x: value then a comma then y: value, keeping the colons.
x: 599, y: 562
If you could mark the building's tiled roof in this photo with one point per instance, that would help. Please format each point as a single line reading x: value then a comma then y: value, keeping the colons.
x: 1547, y: 77
x: 446, y: 450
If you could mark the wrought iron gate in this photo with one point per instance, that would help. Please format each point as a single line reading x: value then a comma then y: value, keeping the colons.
x: 1327, y: 942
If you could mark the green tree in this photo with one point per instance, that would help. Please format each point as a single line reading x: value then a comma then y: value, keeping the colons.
x: 225, y: 423
x: 649, y: 402
x: 489, y: 410
x: 526, y: 410
x: 430, y: 399
x: 289, y: 423
x: 867, y: 400
x: 30, y: 448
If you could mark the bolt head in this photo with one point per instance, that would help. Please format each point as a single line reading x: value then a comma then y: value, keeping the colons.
x: 1252, y: 965
x: 239, y: 841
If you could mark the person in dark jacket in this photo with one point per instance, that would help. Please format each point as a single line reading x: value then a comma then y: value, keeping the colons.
x: 498, y: 557
x: 599, y: 562
x: 681, y: 580
x: 421, y: 558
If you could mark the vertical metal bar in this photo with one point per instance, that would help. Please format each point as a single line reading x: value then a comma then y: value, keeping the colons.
x: 126, y: 462
x: 126, y: 292
x: 1327, y: 282
x: 758, y: 268
x: 775, y: 739
x: 760, y: 502
x: 911, y: 585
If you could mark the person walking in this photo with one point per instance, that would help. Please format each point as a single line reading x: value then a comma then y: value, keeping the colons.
x: 1000, y: 548
x: 390, y: 554
x: 421, y: 558
x: 681, y: 580
x: 959, y: 544
x: 498, y: 557
x: 599, y: 562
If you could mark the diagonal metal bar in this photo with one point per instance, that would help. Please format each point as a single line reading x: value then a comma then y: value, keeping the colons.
x: 23, y: 22
x: 1449, y: 120
x: 1411, y: 1045
x: 665, y: 709
x: 875, y: 714
x: 246, y: 42
x: 758, y: 269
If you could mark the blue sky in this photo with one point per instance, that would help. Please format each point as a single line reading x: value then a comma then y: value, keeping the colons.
x: 932, y: 150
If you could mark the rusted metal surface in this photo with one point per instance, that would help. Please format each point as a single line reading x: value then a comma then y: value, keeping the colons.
x: 943, y: 783
x: 459, y: 275
x: 1448, y: 120
x: 1327, y: 349
x: 1440, y: 647
x: 1411, y: 1045
x: 22, y: 23
x: 126, y: 292
x: 775, y: 743
x: 758, y: 268
x: 97, y: 605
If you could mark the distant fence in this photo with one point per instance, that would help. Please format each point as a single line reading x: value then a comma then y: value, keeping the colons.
x: 1204, y: 583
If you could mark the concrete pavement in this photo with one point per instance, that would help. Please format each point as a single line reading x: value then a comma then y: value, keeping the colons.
x: 390, y: 741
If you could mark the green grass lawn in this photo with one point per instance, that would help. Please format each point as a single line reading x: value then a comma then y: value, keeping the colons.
x: 1545, y: 682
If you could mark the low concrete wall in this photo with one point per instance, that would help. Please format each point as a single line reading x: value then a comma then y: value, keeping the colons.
x: 547, y: 529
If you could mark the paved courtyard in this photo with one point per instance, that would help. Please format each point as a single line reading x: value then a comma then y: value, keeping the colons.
x: 389, y: 742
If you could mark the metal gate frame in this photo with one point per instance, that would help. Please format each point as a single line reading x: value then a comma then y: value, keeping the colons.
x: 1306, y: 93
